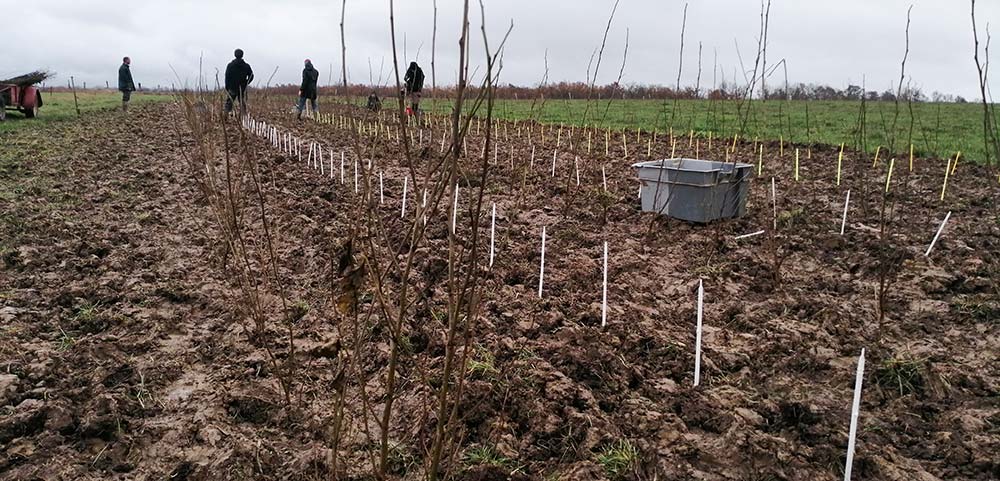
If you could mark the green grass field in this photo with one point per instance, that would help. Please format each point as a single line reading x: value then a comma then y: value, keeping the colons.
x: 939, y: 129
x: 59, y: 107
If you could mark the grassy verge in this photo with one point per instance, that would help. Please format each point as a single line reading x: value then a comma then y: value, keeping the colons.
x: 59, y: 107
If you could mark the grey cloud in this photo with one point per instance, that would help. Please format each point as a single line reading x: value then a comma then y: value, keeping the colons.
x: 824, y: 42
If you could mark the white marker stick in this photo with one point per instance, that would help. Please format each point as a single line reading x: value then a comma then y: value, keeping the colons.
x: 532, y: 164
x: 423, y: 206
x: 454, y: 210
x: 604, y: 292
x: 745, y: 236
x: 402, y: 213
x: 554, y: 152
x: 341, y: 167
x: 930, y: 247
x: 847, y: 203
x: 319, y: 160
x: 697, y: 335
x: 331, y: 165
x: 355, y: 176
x: 576, y: 167
x: 604, y: 178
x: 381, y: 189
x: 541, y: 268
x: 855, y: 407
x: 493, y: 229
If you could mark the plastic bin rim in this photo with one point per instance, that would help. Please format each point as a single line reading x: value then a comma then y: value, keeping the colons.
x: 658, y: 164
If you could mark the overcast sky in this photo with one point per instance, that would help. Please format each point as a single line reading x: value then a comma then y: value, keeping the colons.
x: 831, y: 42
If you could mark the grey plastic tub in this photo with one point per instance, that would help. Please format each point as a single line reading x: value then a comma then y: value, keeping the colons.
x: 694, y: 190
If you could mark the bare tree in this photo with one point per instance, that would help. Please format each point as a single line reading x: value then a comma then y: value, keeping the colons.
x: 434, y: 49
x: 989, y: 129
x: 680, y: 68
x: 343, y: 44
x: 891, y: 137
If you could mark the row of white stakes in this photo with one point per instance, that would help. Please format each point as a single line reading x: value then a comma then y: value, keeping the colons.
x: 293, y: 144
x: 843, y: 220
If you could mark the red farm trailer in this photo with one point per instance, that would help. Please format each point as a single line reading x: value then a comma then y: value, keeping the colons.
x: 25, y: 98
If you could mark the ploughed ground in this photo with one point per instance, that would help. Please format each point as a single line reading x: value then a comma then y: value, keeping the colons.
x: 125, y: 354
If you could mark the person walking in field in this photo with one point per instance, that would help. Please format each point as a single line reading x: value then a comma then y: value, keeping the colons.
x: 125, y: 84
x: 238, y: 77
x: 308, y: 89
x: 414, y: 85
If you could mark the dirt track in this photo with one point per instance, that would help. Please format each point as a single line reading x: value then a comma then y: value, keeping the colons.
x: 122, y: 355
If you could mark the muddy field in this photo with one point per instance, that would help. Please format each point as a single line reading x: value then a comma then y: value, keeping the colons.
x: 125, y: 351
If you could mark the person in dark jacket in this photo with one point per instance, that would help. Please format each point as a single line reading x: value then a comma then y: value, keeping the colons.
x: 414, y: 85
x: 308, y: 89
x: 238, y: 77
x: 374, y: 103
x: 125, y: 84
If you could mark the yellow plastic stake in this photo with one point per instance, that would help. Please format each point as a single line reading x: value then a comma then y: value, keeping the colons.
x: 760, y: 160
x: 691, y: 139
x: 781, y: 145
x: 796, y: 165
x: 955, y: 165
x: 590, y: 135
x: 649, y: 147
x: 559, y: 138
x: 673, y: 149
x: 638, y: 136
x: 624, y: 143
x: 840, y: 162
x: 888, y: 177
x: 654, y: 136
x: 911, y: 157
x: 697, y: 148
x: 735, y: 137
x: 877, y: 151
x: 607, y: 143
x: 709, y: 140
x: 944, y: 186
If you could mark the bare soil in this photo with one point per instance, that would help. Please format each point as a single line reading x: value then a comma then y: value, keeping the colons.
x: 124, y: 355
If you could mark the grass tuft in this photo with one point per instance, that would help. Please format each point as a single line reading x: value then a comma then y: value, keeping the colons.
x: 617, y: 458
x: 901, y: 374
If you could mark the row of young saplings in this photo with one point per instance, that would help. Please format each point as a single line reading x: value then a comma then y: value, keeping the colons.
x: 382, y: 127
x: 314, y: 156
x: 291, y: 145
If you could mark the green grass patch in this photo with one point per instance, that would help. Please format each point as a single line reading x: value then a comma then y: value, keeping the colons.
x: 901, y: 374
x: 618, y: 458
x: 59, y: 107
x: 483, y: 364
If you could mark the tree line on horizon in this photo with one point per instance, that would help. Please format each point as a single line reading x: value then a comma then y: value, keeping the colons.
x: 724, y: 91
